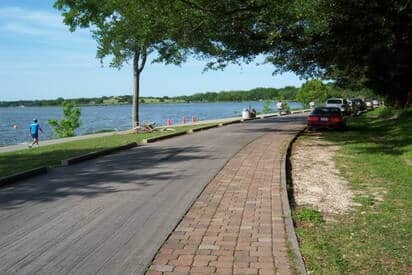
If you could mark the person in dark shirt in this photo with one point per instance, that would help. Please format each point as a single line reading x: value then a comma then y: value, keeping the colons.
x: 34, y: 132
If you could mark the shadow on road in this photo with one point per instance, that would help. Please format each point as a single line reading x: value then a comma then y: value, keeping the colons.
x: 123, y: 172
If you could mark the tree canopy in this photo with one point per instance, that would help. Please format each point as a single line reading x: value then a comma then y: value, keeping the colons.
x: 124, y: 30
x: 357, y: 43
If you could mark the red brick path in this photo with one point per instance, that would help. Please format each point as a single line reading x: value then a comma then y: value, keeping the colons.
x: 236, y: 225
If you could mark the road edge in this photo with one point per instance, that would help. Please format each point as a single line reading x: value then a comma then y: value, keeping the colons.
x: 298, y: 263
x: 22, y: 175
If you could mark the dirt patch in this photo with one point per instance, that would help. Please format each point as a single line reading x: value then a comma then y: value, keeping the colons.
x: 316, y: 180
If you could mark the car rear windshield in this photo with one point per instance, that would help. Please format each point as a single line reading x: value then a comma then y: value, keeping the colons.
x: 334, y: 101
x: 326, y: 111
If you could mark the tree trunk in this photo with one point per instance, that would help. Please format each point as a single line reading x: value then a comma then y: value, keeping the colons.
x: 136, y: 91
x: 137, y: 70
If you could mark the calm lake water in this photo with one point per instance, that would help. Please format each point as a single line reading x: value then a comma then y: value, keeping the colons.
x: 116, y: 117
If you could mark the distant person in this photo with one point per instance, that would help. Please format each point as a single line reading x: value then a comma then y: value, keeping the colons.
x: 34, y: 132
x: 279, y: 105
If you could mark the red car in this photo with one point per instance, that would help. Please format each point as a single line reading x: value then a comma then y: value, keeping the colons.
x: 326, y: 117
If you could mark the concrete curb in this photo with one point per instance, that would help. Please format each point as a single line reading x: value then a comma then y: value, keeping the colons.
x: 230, y: 122
x: 248, y: 119
x: 272, y: 115
x: 203, y: 128
x: 23, y: 175
x: 171, y: 135
x: 290, y: 229
x: 97, y: 154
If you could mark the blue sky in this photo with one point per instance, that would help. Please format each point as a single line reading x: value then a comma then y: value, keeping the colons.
x: 41, y: 59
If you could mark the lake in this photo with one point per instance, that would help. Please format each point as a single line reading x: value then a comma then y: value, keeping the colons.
x: 115, y: 117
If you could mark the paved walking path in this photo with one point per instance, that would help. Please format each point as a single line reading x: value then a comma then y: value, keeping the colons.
x: 236, y: 225
x: 112, y: 214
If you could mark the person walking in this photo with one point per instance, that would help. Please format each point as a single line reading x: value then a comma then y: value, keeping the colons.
x: 34, y: 132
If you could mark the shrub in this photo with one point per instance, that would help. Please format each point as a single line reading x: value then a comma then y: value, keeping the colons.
x: 65, y: 127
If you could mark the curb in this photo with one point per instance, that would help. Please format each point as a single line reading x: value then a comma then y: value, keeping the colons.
x: 203, y: 128
x: 230, y: 122
x: 290, y: 229
x: 271, y: 116
x: 248, y: 119
x: 154, y: 139
x: 97, y: 154
x: 23, y: 175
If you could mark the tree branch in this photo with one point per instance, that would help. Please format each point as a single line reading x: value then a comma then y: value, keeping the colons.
x: 252, y: 7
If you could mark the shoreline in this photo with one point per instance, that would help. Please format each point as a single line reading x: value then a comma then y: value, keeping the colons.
x: 147, y: 103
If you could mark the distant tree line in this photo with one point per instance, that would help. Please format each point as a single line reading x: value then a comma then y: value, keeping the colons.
x: 104, y: 100
x: 286, y: 93
x: 312, y: 90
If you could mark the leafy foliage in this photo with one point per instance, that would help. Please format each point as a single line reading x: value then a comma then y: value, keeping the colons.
x: 355, y: 42
x: 313, y: 90
x: 65, y: 127
x: 124, y: 30
x: 266, y: 107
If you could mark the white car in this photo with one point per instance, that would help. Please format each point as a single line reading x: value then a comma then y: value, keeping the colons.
x: 340, y: 103
x: 369, y: 104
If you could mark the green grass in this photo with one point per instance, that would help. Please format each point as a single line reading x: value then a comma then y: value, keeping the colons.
x: 375, y: 238
x: 52, y: 155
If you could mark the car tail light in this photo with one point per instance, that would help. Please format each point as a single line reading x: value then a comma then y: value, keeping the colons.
x: 313, y: 118
x: 335, y: 119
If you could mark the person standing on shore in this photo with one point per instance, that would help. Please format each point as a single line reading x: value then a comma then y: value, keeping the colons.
x: 34, y: 132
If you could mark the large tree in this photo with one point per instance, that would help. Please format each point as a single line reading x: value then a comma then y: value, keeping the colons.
x: 355, y: 42
x: 124, y: 30
x: 312, y: 90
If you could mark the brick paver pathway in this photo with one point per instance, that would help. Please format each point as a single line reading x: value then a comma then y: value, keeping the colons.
x: 236, y: 225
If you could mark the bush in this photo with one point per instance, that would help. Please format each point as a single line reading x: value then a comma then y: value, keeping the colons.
x: 65, y: 127
x: 266, y: 107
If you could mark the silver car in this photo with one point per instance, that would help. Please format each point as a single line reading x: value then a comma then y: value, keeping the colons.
x: 340, y: 103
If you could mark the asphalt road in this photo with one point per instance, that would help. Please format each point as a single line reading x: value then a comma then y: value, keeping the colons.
x: 110, y: 215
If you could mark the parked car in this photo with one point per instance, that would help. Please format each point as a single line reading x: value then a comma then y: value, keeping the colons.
x: 357, y: 106
x: 375, y: 103
x: 352, y: 108
x: 340, y: 103
x: 369, y: 104
x: 326, y: 117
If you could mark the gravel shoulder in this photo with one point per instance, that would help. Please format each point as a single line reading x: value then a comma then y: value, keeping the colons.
x: 317, y: 182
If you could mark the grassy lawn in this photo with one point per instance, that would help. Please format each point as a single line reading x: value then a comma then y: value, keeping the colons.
x: 376, y: 237
x: 51, y: 155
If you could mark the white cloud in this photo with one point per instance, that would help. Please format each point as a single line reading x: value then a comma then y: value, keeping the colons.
x: 39, y: 18
x: 24, y: 29
x: 44, y: 24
